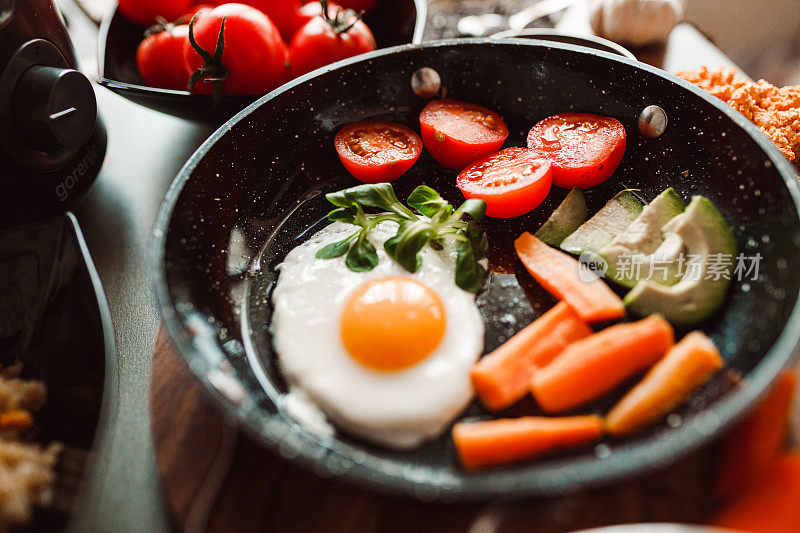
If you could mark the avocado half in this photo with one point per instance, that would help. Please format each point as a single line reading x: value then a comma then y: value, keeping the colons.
x: 704, y: 234
x: 643, y: 251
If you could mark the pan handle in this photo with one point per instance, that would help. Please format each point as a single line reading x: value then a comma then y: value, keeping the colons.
x: 588, y: 41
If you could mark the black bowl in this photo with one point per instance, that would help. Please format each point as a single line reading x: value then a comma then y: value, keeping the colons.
x: 55, y: 319
x: 256, y: 188
x: 393, y: 22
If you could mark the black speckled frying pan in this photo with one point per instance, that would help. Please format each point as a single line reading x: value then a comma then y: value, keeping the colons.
x: 256, y: 189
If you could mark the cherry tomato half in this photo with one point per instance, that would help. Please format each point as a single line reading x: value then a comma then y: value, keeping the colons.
x: 457, y: 133
x: 512, y: 182
x: 376, y: 151
x: 584, y: 149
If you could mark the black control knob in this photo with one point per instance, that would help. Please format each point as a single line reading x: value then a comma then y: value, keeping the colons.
x: 54, y: 108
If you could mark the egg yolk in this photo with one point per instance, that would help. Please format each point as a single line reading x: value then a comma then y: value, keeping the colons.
x: 392, y: 323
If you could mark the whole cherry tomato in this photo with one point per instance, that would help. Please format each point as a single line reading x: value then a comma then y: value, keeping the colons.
x: 512, y: 182
x: 145, y: 12
x: 376, y: 151
x: 336, y: 35
x: 457, y: 133
x: 358, y: 5
x: 282, y: 13
x: 311, y: 10
x: 251, y: 60
x: 160, y: 57
x: 584, y: 149
x: 193, y: 10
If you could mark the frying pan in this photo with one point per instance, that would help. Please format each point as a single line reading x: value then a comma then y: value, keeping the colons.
x: 256, y: 188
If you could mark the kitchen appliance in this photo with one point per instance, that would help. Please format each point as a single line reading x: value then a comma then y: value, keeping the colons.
x: 52, y: 140
x: 54, y: 317
x: 252, y: 192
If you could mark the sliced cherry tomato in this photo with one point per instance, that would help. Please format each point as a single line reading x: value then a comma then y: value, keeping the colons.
x: 337, y: 35
x: 253, y: 59
x: 376, y: 151
x: 457, y: 133
x: 584, y: 149
x: 512, y: 182
x: 159, y: 57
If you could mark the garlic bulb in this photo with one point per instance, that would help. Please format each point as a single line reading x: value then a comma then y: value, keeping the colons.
x: 635, y: 22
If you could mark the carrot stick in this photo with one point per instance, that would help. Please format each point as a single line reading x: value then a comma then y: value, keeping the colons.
x: 751, y: 447
x: 686, y: 366
x: 502, y: 377
x: 591, y: 367
x: 770, y: 504
x: 508, y: 440
x: 558, y: 273
x: 16, y: 419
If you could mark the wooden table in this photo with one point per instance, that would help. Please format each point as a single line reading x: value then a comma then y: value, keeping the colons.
x: 215, y: 478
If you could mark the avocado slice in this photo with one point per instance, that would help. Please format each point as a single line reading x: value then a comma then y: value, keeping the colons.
x: 641, y: 251
x: 599, y: 230
x: 704, y: 233
x: 567, y: 217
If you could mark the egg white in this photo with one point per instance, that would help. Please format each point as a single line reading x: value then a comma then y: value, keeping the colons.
x: 395, y: 409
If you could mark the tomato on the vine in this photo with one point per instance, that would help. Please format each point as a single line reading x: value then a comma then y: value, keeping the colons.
x: 584, y: 149
x: 376, y: 151
x: 512, y: 182
x: 358, y: 5
x: 312, y: 10
x: 159, y: 57
x: 336, y: 35
x: 237, y: 50
x: 194, y: 9
x: 145, y: 12
x: 283, y: 13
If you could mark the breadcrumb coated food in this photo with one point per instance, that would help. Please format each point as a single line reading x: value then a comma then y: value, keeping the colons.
x: 776, y: 110
x: 27, y: 469
x: 26, y: 479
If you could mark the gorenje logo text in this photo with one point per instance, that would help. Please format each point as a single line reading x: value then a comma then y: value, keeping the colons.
x: 72, y: 179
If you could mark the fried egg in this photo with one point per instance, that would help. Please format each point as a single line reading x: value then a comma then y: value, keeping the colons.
x: 385, y: 354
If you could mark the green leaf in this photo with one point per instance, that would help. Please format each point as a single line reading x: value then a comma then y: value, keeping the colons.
x: 473, y: 207
x: 427, y: 201
x: 379, y: 195
x: 405, y: 246
x: 342, y: 215
x: 470, y: 274
x: 362, y: 256
x: 336, y: 249
x: 340, y: 199
x: 478, y: 240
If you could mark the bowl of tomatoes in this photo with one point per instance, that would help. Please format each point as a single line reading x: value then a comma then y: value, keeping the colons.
x: 148, y: 56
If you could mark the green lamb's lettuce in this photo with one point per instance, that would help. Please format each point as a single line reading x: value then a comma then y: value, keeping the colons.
x: 428, y: 220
